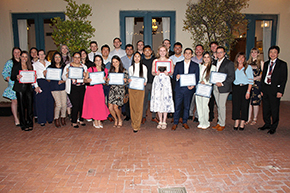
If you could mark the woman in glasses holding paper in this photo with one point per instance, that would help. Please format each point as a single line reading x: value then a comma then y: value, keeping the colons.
x: 75, y: 87
x: 161, y: 98
x: 94, y: 101
x: 242, y: 86
x: 117, y: 90
x: 205, y: 68
x: 136, y: 92
x: 24, y: 92
x: 58, y: 91
x: 43, y: 99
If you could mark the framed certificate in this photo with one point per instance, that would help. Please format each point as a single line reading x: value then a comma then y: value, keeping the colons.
x: 75, y: 73
x: 217, y: 77
x: 163, y: 66
x: 187, y: 80
x: 116, y: 78
x: 28, y: 76
x: 53, y: 73
x: 97, y: 78
x: 203, y: 90
x: 137, y: 83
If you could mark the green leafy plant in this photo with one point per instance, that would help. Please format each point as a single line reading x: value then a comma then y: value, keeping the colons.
x: 215, y: 20
x: 76, y: 30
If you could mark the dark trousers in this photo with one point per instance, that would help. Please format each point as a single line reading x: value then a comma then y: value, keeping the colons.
x: 182, y: 101
x: 211, y: 106
x: 44, y: 102
x: 106, y: 89
x: 271, y: 106
x: 76, y: 97
x: 25, y: 102
x: 240, y: 103
x: 148, y: 89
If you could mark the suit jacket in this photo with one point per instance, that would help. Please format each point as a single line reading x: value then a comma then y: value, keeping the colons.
x: 278, y: 78
x: 19, y: 87
x: 179, y: 69
x: 228, y: 68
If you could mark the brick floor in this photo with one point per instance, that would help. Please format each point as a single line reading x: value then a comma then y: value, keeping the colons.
x: 113, y: 160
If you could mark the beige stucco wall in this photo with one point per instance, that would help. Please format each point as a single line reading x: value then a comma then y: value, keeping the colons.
x: 106, y: 20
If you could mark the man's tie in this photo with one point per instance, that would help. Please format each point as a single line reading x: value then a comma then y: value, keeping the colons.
x: 270, y: 73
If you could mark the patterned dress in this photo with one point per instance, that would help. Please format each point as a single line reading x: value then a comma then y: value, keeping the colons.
x: 117, y: 92
x: 161, y: 98
x: 256, y: 97
x: 8, y: 92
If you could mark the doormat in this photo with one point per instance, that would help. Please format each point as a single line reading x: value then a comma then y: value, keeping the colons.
x: 172, y: 190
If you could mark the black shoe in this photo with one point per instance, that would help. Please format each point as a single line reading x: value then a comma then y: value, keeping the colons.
x: 135, y: 131
x: 264, y: 127
x: 236, y: 128
x: 42, y: 124
x: 190, y: 118
x: 127, y: 118
x: 23, y: 128
x: 82, y: 124
x: 242, y: 128
x: 35, y: 119
x: 195, y: 119
x: 75, y: 126
x: 271, y: 131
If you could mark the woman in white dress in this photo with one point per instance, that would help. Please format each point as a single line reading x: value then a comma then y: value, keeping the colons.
x: 161, y: 98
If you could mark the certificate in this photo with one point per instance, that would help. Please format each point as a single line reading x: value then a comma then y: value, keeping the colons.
x: 75, y: 72
x: 28, y: 76
x: 217, y: 77
x: 116, y: 79
x: 203, y: 90
x: 53, y: 73
x: 163, y: 66
x: 137, y: 83
x: 187, y: 80
x: 97, y: 78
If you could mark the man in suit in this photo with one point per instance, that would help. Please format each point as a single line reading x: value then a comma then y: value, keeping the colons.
x: 183, y: 95
x: 221, y: 90
x: 273, y: 81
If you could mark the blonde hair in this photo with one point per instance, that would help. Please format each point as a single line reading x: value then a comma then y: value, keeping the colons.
x: 259, y: 58
x: 158, y: 55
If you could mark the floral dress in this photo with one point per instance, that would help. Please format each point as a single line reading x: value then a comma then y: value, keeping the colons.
x: 8, y: 92
x: 256, y: 97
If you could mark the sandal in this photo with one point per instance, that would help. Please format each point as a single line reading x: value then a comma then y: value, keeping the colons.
x: 120, y: 124
x: 254, y: 122
x: 159, y: 125
x: 246, y: 123
x: 116, y: 124
x: 164, y: 125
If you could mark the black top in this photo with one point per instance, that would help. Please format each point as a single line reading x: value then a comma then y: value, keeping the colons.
x: 18, y: 87
x: 54, y: 83
x: 148, y: 64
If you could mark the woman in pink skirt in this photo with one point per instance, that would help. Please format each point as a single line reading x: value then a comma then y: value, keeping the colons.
x: 94, y: 106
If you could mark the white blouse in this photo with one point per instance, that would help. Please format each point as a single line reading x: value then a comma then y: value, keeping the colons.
x: 136, y: 72
x: 39, y: 68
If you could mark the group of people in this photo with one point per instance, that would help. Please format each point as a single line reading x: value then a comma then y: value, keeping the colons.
x: 52, y: 100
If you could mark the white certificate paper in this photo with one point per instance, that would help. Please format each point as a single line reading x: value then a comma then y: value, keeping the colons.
x: 116, y: 79
x: 187, y: 80
x: 28, y: 76
x: 97, y: 78
x: 75, y: 72
x: 53, y: 73
x: 137, y: 83
x: 217, y: 77
x: 203, y: 90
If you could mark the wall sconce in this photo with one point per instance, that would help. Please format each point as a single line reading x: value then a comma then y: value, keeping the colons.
x: 265, y: 24
x: 154, y: 26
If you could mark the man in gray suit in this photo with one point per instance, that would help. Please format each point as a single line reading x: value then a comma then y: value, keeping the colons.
x: 221, y: 90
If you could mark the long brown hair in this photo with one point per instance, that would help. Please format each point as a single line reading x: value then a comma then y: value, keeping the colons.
x: 208, y: 67
x: 245, y: 64
x: 28, y: 63
x: 258, y: 61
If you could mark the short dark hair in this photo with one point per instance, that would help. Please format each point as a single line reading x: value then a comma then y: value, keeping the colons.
x: 166, y: 40
x: 129, y: 45
x: 188, y: 49
x: 117, y: 39
x: 105, y: 46
x: 221, y: 47
x: 93, y: 42
x: 147, y: 46
x: 214, y: 42
x: 140, y: 41
x: 177, y: 44
x: 274, y: 48
x: 199, y: 45
x: 41, y: 50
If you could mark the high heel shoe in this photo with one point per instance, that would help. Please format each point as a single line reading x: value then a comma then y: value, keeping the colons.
x: 96, y: 126
x: 120, y: 124
x: 75, y: 126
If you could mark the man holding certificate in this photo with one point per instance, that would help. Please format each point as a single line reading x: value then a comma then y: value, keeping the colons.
x: 184, y: 88
x: 222, y: 89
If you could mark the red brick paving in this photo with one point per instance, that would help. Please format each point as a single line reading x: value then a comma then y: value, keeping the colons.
x: 50, y: 159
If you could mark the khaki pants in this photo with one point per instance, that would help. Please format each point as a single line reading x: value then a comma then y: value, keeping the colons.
x: 136, y: 99
x: 60, y: 99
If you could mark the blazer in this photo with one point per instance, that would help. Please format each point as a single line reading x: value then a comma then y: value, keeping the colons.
x: 19, y: 87
x: 278, y: 78
x: 228, y: 68
x: 179, y: 69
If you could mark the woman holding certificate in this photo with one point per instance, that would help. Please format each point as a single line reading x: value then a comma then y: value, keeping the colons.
x: 58, y: 89
x: 24, y: 91
x: 94, y: 106
x: 75, y: 87
x: 43, y: 99
x: 161, y: 98
x: 205, y: 68
x: 241, y: 91
x: 136, y: 91
x: 117, y: 89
